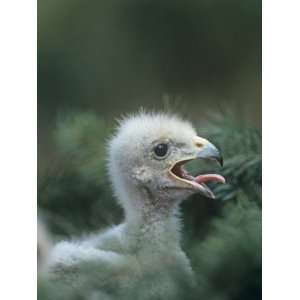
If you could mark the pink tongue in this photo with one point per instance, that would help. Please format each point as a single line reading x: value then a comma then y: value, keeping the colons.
x: 209, y: 177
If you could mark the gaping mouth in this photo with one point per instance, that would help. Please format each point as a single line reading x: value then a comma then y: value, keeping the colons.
x: 197, y: 182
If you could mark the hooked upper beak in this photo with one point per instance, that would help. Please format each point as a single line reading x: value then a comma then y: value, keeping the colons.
x: 204, y: 150
x: 207, y: 150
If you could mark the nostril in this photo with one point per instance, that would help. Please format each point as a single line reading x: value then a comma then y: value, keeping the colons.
x: 200, y: 142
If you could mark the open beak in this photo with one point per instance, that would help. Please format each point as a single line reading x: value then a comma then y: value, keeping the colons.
x: 203, y: 150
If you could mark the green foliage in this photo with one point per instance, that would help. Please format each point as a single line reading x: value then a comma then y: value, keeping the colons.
x: 227, y: 260
x: 70, y: 188
x: 242, y: 156
x: 222, y: 237
x: 80, y: 141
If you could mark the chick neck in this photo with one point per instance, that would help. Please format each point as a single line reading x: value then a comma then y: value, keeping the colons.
x: 152, y: 222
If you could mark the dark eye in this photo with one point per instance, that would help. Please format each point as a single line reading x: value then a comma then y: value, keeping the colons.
x: 161, y: 150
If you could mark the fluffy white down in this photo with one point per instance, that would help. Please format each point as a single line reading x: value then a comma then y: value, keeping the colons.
x: 141, y: 257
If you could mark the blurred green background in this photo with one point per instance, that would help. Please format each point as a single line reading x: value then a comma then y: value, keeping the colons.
x: 115, y: 56
x: 98, y: 60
